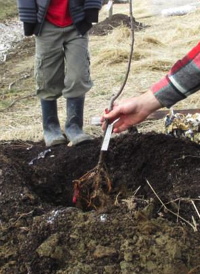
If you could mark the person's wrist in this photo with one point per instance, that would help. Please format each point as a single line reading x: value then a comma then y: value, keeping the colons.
x: 149, y: 102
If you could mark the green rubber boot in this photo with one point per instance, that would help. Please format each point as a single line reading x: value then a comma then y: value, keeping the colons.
x: 51, y: 126
x: 74, y: 124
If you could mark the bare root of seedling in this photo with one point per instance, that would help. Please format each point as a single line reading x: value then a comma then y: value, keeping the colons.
x: 93, y: 187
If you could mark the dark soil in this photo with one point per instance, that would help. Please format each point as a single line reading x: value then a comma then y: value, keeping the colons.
x: 43, y: 231
x: 106, y: 26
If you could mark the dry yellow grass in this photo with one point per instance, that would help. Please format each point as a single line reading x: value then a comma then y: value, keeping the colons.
x: 156, y: 48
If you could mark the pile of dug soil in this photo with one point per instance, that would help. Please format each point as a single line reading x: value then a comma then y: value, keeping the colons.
x: 106, y: 26
x: 148, y: 226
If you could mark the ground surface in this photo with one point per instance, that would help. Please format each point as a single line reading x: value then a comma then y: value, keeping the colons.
x: 42, y: 231
x: 147, y: 223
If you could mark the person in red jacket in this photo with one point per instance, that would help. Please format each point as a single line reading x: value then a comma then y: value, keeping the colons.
x: 182, y: 80
x: 62, y: 62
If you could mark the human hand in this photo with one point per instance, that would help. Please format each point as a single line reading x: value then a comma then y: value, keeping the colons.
x: 131, y: 111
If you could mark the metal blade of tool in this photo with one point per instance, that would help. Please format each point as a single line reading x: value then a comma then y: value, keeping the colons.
x: 107, y: 137
x: 108, y: 132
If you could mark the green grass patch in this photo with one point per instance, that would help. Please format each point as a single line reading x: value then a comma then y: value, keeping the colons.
x: 8, y: 9
x: 4, y: 105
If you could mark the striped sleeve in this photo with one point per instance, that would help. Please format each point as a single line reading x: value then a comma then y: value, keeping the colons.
x: 93, y: 4
x: 182, y: 80
x: 27, y: 11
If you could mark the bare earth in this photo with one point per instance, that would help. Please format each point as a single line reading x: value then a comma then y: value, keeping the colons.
x: 147, y: 223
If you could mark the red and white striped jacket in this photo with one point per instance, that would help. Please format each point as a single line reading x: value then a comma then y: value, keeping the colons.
x: 182, y: 80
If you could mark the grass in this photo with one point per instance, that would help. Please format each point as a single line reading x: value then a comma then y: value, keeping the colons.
x: 8, y: 9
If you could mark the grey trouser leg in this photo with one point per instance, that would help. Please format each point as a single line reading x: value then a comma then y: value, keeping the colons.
x: 62, y: 63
